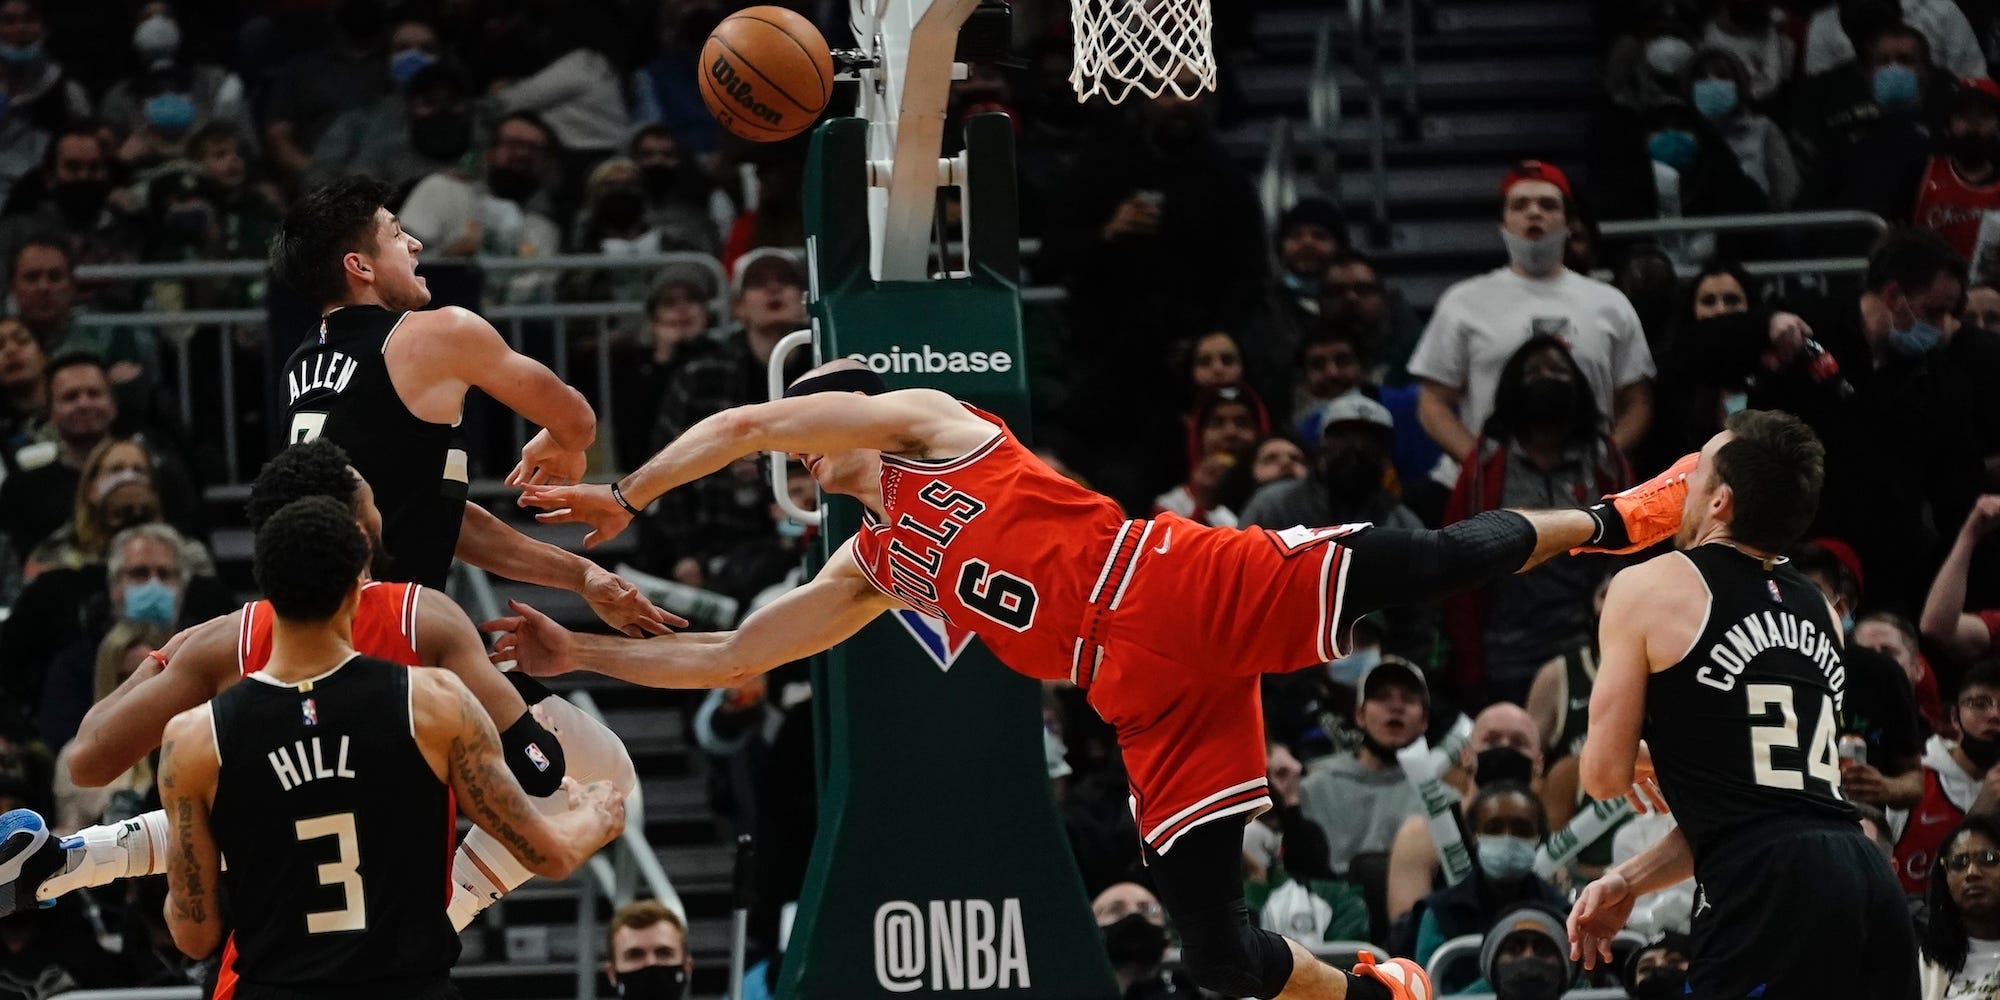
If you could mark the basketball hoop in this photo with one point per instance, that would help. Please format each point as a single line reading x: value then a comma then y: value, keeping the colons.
x: 1150, y: 46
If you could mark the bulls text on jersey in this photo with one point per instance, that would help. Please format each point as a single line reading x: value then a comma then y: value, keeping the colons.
x: 294, y: 766
x: 1003, y: 598
x: 1762, y: 630
x: 332, y: 370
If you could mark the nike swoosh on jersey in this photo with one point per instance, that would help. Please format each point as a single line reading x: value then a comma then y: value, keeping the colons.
x: 1165, y: 540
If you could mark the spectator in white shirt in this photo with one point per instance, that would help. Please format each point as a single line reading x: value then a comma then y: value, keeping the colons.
x: 1954, y: 46
x: 1480, y: 322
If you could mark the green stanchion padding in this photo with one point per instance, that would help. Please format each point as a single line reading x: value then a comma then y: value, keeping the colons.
x: 940, y: 864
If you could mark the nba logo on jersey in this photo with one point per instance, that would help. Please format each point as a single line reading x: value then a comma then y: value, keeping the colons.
x: 941, y: 640
x: 311, y: 712
x: 1772, y: 586
x: 537, y: 758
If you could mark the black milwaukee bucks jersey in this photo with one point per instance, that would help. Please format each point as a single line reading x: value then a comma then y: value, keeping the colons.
x: 338, y: 387
x: 1742, y: 730
x: 337, y: 833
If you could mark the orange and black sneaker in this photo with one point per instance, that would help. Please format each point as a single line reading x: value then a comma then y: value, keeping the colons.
x: 1404, y: 979
x: 1643, y: 515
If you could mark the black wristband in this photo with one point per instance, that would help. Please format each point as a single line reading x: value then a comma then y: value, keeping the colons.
x: 1610, y: 526
x: 619, y: 495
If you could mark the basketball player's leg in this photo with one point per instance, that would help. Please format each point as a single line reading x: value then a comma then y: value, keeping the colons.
x: 484, y: 869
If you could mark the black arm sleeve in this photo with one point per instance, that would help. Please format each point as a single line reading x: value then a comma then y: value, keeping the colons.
x: 534, y: 755
x: 1393, y: 567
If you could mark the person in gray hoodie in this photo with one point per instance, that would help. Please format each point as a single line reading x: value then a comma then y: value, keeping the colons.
x: 1360, y: 798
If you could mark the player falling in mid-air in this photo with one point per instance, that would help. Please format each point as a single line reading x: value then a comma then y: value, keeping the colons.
x: 403, y: 623
x: 1166, y: 624
x: 1727, y: 661
x: 332, y: 782
x: 388, y: 383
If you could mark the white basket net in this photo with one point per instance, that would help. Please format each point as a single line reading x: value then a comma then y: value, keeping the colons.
x: 1150, y: 46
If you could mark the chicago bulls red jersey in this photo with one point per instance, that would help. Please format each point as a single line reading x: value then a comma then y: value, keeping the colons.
x: 995, y: 542
x: 385, y: 627
x: 1924, y: 830
x: 1950, y: 207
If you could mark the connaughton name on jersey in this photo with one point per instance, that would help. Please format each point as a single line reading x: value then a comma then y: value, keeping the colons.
x: 1762, y: 630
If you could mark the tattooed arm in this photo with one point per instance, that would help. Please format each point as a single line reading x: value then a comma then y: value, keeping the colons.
x: 463, y: 749
x: 188, y: 767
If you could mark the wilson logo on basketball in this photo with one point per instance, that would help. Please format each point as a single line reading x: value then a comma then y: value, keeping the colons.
x: 738, y: 89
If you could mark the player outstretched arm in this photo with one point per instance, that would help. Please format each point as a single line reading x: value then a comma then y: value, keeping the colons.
x: 454, y: 348
x: 489, y: 543
x: 123, y: 728
x: 833, y: 606
x: 922, y: 423
x: 1606, y: 904
x: 188, y: 768
x: 462, y: 745
x: 1635, y: 632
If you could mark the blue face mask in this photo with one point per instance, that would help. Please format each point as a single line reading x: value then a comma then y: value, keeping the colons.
x: 406, y: 64
x: 151, y: 603
x: 170, y: 112
x: 1299, y: 284
x: 1734, y: 403
x: 1916, y: 340
x: 21, y: 55
x: 1507, y: 859
x: 1715, y: 98
x: 789, y: 528
x: 1348, y: 669
x: 1673, y: 147
x: 1846, y: 624
x: 1896, y: 87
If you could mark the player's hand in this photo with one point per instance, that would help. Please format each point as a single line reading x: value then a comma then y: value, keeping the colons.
x: 543, y: 462
x: 1599, y: 914
x: 600, y: 798
x: 533, y: 641
x: 623, y: 607
x: 591, y: 505
x: 1984, y: 517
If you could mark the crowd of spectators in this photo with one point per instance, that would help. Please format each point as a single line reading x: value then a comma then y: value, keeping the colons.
x: 1242, y: 374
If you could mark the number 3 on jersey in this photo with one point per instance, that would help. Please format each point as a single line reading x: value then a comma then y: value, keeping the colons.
x: 344, y: 871
x: 1820, y: 759
x: 306, y: 426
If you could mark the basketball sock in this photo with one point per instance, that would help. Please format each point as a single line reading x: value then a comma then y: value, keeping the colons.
x: 482, y: 871
x: 99, y: 854
x: 1364, y: 988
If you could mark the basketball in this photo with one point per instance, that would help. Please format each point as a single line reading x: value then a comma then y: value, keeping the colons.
x: 766, y: 73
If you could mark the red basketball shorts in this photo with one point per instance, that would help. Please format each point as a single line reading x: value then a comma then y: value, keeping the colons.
x: 1189, y: 619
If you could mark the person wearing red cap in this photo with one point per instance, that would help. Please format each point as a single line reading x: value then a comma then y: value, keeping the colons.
x: 1480, y: 322
x: 1962, y: 182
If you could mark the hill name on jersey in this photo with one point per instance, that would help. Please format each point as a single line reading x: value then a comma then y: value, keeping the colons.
x: 294, y: 767
x: 1762, y: 630
x: 332, y: 370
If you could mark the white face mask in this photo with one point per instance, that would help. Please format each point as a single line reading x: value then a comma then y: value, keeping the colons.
x: 1537, y: 258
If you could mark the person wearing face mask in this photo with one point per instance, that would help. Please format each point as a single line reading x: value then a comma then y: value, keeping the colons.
x: 1504, y: 825
x: 1505, y: 746
x: 1962, y: 182
x: 421, y: 129
x: 496, y: 207
x: 1480, y: 322
x: 1748, y: 31
x: 1526, y: 954
x: 1862, y: 131
x: 1641, y: 68
x: 647, y: 957
x: 614, y: 218
x: 1659, y: 970
x: 171, y: 97
x: 681, y: 202
x: 1837, y: 30
x: 1721, y: 89
x: 1309, y: 235
x: 1959, y: 779
x: 1544, y: 443
x: 1135, y: 937
x: 38, y: 87
x: 1360, y: 798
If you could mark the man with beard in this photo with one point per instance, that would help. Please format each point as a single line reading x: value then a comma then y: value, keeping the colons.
x: 498, y: 213
x: 1480, y: 322
x: 1962, y: 182
x: 1360, y: 798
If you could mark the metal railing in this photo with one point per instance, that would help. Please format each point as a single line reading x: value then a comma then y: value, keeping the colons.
x: 1868, y: 222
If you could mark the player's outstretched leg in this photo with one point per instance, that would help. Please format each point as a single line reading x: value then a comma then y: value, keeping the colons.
x: 28, y: 854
